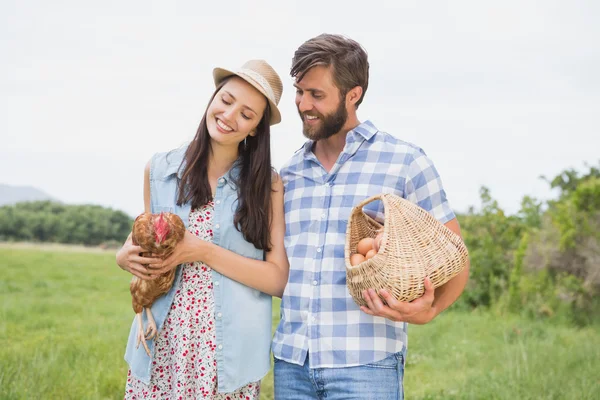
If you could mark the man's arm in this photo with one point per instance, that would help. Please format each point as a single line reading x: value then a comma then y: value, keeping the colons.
x: 425, y: 308
x: 449, y: 292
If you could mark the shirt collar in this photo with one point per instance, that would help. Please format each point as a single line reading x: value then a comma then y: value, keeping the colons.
x: 366, y: 130
x: 175, y: 162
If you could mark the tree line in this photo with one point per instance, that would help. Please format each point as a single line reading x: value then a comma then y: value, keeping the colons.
x: 47, y: 221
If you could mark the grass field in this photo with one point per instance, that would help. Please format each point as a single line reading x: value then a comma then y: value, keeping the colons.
x: 65, y: 316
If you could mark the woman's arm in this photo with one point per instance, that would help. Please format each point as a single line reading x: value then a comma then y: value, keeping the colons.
x: 268, y: 276
x: 128, y: 257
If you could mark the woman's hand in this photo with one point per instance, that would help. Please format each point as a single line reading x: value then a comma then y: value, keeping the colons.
x: 129, y: 259
x: 189, y: 249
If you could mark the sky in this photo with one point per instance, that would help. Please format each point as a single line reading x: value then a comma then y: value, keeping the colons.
x: 496, y: 93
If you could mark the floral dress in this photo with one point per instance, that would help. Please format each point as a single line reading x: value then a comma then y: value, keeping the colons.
x: 184, y: 364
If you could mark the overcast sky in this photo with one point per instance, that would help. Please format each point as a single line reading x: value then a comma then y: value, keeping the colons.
x: 496, y: 93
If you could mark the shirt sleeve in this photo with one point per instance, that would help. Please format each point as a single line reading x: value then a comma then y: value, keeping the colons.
x: 423, y: 186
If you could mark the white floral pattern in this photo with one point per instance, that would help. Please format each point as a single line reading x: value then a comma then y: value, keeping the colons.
x: 184, y: 364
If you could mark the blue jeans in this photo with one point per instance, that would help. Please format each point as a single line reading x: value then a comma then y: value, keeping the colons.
x: 381, y: 380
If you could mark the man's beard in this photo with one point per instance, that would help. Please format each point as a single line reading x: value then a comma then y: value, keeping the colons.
x: 329, y: 125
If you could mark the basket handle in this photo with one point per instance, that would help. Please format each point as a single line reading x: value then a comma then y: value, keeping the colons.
x: 358, y: 209
x: 382, y: 196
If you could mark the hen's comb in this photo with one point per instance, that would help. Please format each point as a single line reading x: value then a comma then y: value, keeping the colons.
x: 161, y: 228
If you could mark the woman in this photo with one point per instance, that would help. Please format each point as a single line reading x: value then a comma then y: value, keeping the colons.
x: 215, y: 322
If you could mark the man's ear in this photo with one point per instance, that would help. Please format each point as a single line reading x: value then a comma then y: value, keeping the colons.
x: 354, y: 95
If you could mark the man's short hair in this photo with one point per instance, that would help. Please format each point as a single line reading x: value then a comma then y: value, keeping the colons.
x: 348, y: 59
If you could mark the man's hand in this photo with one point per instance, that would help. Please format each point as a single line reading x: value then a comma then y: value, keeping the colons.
x: 419, y: 311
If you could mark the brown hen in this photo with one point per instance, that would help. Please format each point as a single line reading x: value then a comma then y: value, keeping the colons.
x: 158, y: 234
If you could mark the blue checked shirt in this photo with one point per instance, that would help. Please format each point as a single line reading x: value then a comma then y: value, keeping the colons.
x: 318, y: 315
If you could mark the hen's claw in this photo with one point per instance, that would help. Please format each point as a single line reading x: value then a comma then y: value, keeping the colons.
x: 140, y: 335
x: 151, y: 331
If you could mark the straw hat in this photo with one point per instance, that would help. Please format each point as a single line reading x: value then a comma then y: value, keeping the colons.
x: 263, y: 77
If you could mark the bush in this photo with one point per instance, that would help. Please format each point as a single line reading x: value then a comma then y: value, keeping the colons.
x: 542, y: 262
x: 46, y: 221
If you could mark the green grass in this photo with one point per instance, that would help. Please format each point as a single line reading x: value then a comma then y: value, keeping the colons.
x: 65, y: 316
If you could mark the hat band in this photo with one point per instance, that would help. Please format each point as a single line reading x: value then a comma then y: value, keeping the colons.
x: 261, y: 81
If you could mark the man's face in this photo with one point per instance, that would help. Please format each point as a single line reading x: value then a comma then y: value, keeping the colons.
x: 321, y: 108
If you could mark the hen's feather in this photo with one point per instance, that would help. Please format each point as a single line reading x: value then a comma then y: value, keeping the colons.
x: 145, y: 292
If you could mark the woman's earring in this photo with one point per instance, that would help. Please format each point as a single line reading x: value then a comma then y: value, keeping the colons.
x: 245, y: 143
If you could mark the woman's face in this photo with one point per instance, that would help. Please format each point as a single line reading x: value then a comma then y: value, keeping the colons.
x: 235, y: 112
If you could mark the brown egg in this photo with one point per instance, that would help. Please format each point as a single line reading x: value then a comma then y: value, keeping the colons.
x: 356, y: 259
x: 370, y: 254
x: 377, y: 242
x: 364, y: 245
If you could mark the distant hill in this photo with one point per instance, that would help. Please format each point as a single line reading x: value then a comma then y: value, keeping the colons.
x: 15, y: 194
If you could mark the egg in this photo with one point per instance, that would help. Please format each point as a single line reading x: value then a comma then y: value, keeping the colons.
x: 356, y: 259
x: 377, y: 242
x: 364, y: 245
x: 370, y: 254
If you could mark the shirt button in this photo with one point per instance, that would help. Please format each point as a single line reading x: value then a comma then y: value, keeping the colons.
x: 323, y: 216
x: 319, y: 250
x: 315, y: 283
x: 220, y: 347
x: 219, y: 315
x: 217, y: 283
x: 221, y: 180
x: 218, y: 202
x: 217, y: 226
x: 314, y: 319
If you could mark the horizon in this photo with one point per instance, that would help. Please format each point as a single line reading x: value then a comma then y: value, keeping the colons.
x: 475, y: 207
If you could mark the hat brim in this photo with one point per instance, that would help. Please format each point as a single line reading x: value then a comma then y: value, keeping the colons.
x: 220, y: 73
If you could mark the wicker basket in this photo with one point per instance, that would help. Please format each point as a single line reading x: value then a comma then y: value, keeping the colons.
x: 414, y: 246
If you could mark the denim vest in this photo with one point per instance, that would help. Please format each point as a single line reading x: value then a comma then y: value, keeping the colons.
x: 242, y: 315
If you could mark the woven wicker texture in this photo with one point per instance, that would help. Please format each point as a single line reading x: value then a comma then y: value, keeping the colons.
x: 414, y: 245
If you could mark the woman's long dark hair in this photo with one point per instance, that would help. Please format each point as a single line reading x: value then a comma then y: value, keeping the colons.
x: 253, y: 214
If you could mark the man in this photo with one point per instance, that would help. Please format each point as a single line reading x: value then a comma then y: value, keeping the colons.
x: 325, y: 345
